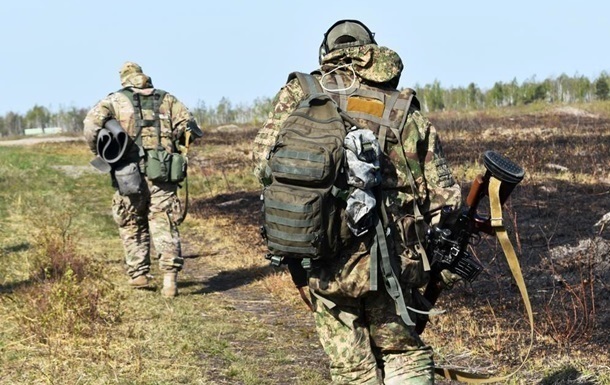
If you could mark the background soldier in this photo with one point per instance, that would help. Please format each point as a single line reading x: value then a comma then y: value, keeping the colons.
x: 365, y: 339
x: 157, y: 122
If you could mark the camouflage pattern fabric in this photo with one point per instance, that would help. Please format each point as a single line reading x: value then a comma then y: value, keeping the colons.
x: 173, y: 114
x: 360, y: 328
x: 371, y: 62
x: 148, y: 218
x: 150, y: 215
x: 369, y: 344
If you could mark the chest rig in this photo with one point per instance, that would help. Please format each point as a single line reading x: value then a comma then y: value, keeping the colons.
x: 146, y: 112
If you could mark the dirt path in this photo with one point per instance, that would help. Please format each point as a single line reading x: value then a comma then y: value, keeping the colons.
x: 40, y: 139
x: 292, y: 328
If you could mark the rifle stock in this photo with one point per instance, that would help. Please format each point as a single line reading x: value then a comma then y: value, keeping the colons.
x: 448, y: 244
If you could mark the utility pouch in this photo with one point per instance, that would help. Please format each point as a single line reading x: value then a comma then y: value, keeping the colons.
x: 128, y: 178
x: 177, y: 171
x: 161, y: 166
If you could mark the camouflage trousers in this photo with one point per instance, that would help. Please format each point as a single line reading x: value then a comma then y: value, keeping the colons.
x: 367, y: 343
x: 149, y: 219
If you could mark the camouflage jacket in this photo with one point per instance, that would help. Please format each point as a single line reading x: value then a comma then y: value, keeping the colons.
x: 174, y: 116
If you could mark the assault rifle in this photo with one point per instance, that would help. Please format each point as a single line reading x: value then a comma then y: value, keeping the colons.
x: 447, y: 243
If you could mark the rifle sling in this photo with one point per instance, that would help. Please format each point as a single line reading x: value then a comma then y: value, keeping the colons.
x: 390, y: 279
x: 513, y: 263
x: 185, y: 150
x: 419, y: 247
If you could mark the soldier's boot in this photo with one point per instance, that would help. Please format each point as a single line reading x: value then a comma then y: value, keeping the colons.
x: 140, y: 282
x: 170, y: 285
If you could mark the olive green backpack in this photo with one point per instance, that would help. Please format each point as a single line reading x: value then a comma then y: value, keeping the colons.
x: 302, y: 205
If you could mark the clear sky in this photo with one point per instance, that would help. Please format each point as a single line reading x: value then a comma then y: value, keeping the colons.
x: 67, y: 53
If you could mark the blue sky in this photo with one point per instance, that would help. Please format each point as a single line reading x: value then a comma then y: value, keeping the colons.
x: 65, y: 53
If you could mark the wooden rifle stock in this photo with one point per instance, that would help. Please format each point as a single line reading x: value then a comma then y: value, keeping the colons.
x: 469, y: 223
x: 477, y: 190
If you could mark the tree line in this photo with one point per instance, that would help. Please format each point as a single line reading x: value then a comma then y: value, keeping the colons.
x: 563, y: 89
x: 433, y: 97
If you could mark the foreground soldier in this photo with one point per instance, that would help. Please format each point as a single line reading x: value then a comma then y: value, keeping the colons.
x: 157, y: 122
x: 365, y: 339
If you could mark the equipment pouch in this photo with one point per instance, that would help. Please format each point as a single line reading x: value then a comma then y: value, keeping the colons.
x: 161, y: 166
x: 178, y: 168
x: 128, y: 178
x: 412, y: 267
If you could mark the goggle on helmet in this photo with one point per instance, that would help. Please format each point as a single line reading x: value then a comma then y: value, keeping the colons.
x: 346, y: 33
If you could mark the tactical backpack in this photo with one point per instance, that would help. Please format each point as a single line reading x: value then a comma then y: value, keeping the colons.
x: 302, y: 206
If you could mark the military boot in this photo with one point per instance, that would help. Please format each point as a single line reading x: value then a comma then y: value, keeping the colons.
x: 140, y: 282
x: 170, y: 285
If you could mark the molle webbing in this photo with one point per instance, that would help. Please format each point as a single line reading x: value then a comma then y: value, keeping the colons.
x: 142, y: 102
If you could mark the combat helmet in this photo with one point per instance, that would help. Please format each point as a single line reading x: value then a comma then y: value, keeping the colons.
x: 346, y: 33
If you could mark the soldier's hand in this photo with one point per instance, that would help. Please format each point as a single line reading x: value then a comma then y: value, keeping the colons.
x: 177, y: 133
x: 449, y: 279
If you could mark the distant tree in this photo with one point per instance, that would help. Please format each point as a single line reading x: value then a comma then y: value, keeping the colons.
x: 512, y: 94
x: 13, y: 123
x: 38, y: 116
x: 261, y: 109
x: 224, y: 111
x: 473, y: 95
x: 547, y: 89
x: 71, y: 119
x: 533, y: 91
x: 582, y: 88
x: 435, y: 97
x: 601, y: 87
x: 562, y: 87
x: 496, y: 95
x: 201, y: 114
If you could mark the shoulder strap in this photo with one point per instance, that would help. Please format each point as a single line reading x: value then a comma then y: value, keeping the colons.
x: 153, y: 102
x: 158, y: 96
x: 310, y: 85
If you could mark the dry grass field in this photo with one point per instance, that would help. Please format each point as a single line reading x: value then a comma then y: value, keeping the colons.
x: 68, y: 318
x: 551, y: 217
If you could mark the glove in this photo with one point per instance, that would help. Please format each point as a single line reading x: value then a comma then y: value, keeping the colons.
x: 448, y: 279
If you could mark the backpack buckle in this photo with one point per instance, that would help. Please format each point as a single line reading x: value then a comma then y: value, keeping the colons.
x: 275, y: 260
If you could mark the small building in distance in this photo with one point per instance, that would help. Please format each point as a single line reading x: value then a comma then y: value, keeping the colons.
x: 43, y: 131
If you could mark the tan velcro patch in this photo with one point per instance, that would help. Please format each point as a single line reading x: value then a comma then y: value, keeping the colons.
x: 365, y: 105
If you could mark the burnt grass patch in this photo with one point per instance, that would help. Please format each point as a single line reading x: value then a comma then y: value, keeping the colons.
x: 550, y: 216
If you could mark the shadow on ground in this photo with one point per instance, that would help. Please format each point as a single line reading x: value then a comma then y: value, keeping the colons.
x: 566, y: 376
x: 229, y: 279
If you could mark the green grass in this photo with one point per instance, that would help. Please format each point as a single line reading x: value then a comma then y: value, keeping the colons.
x: 67, y: 314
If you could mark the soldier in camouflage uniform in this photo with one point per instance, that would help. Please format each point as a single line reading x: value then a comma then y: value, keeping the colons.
x: 154, y: 214
x: 367, y: 342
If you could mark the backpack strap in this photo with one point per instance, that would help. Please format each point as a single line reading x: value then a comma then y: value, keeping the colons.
x: 310, y: 85
x: 419, y: 217
x: 388, y: 268
x: 140, y: 102
x: 391, y: 101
